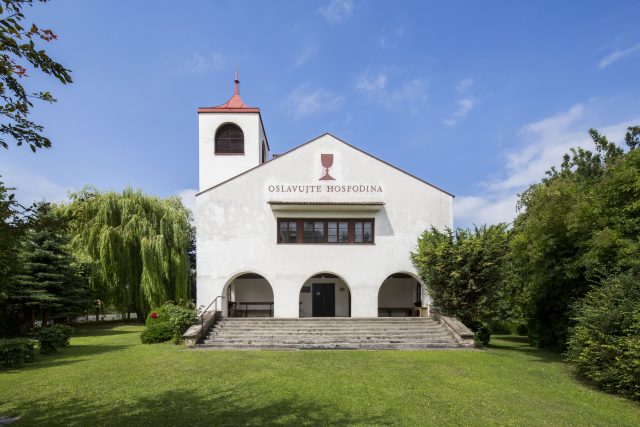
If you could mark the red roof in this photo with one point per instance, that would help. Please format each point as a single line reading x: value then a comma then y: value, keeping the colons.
x: 235, y: 104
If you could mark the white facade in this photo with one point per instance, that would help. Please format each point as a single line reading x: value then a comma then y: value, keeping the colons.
x: 237, y: 214
x: 215, y: 169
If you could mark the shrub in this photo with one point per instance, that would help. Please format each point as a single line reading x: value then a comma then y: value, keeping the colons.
x: 156, y: 332
x: 14, y: 352
x: 174, y: 320
x: 501, y: 327
x: 464, y: 269
x: 54, y: 337
x: 66, y: 332
x: 482, y: 334
x: 605, y: 341
x: 522, y: 329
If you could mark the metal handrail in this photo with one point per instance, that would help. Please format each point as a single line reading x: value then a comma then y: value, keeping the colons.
x: 201, y: 319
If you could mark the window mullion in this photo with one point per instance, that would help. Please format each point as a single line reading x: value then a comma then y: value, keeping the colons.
x: 326, y: 231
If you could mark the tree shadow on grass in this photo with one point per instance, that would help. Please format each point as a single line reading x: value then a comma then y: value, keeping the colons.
x: 189, y: 407
x: 516, y: 339
x: 67, y: 356
x: 94, y: 331
x: 521, y: 345
x: 102, y: 330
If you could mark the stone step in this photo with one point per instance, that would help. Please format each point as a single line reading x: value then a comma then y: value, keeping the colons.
x: 345, y: 321
x: 332, y: 346
x: 328, y: 329
x: 328, y: 340
x: 383, y: 333
x: 291, y: 340
x: 232, y: 333
x: 226, y: 333
x: 324, y: 342
x: 327, y: 324
x: 341, y: 320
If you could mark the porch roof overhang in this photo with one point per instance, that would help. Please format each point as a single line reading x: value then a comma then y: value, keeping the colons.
x: 324, y: 206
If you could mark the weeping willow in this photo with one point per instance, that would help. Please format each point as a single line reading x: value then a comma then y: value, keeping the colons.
x: 136, y: 246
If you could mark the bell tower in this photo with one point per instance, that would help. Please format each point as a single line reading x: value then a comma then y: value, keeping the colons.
x: 231, y: 140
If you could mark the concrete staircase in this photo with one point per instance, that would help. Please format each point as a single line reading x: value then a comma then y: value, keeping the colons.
x: 383, y: 333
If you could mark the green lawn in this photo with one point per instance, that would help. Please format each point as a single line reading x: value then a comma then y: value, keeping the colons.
x: 108, y: 378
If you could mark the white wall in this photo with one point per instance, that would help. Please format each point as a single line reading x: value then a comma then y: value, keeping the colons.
x: 237, y: 228
x: 397, y: 292
x: 263, y: 140
x: 251, y: 290
x: 215, y: 169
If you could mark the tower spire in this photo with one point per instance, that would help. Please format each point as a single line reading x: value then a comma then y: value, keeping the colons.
x: 234, y: 103
x: 237, y: 81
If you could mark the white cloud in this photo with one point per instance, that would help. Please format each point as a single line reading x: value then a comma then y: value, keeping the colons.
x: 545, y: 142
x: 372, y: 84
x: 464, y: 84
x: 465, y: 106
x: 383, y: 41
x: 548, y: 140
x: 33, y: 187
x: 307, y: 52
x: 617, y: 55
x: 306, y: 102
x: 388, y: 40
x: 411, y: 92
x: 469, y: 210
x: 337, y: 10
x: 188, y: 197
x: 202, y: 63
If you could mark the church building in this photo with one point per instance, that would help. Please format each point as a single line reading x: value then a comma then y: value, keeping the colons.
x: 323, y: 230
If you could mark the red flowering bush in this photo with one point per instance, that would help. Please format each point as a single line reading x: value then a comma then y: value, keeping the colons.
x: 168, y: 322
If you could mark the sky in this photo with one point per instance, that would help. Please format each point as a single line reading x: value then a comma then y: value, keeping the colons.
x: 478, y: 98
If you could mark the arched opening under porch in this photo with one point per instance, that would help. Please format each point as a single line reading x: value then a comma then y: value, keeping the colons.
x: 402, y: 295
x: 325, y: 295
x: 248, y: 295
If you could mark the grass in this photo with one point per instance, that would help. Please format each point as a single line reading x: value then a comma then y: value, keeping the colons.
x: 108, y: 378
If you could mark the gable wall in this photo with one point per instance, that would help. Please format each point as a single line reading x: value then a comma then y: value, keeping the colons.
x: 237, y: 229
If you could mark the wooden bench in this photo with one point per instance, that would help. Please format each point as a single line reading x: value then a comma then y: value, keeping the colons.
x: 242, y: 308
x: 407, y: 311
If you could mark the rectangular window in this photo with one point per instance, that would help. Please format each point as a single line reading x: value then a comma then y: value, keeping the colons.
x: 332, y: 232
x: 288, y: 232
x: 335, y: 231
x: 358, y: 232
x: 313, y: 232
x: 363, y: 231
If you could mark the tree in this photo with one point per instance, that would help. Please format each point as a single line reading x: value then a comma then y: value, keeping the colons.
x: 576, y: 228
x: 464, y: 271
x: 604, y: 344
x: 47, y: 282
x: 135, y: 247
x: 18, y: 53
x: 13, y: 220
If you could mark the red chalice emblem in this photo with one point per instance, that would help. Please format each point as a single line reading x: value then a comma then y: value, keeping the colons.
x: 327, y: 162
